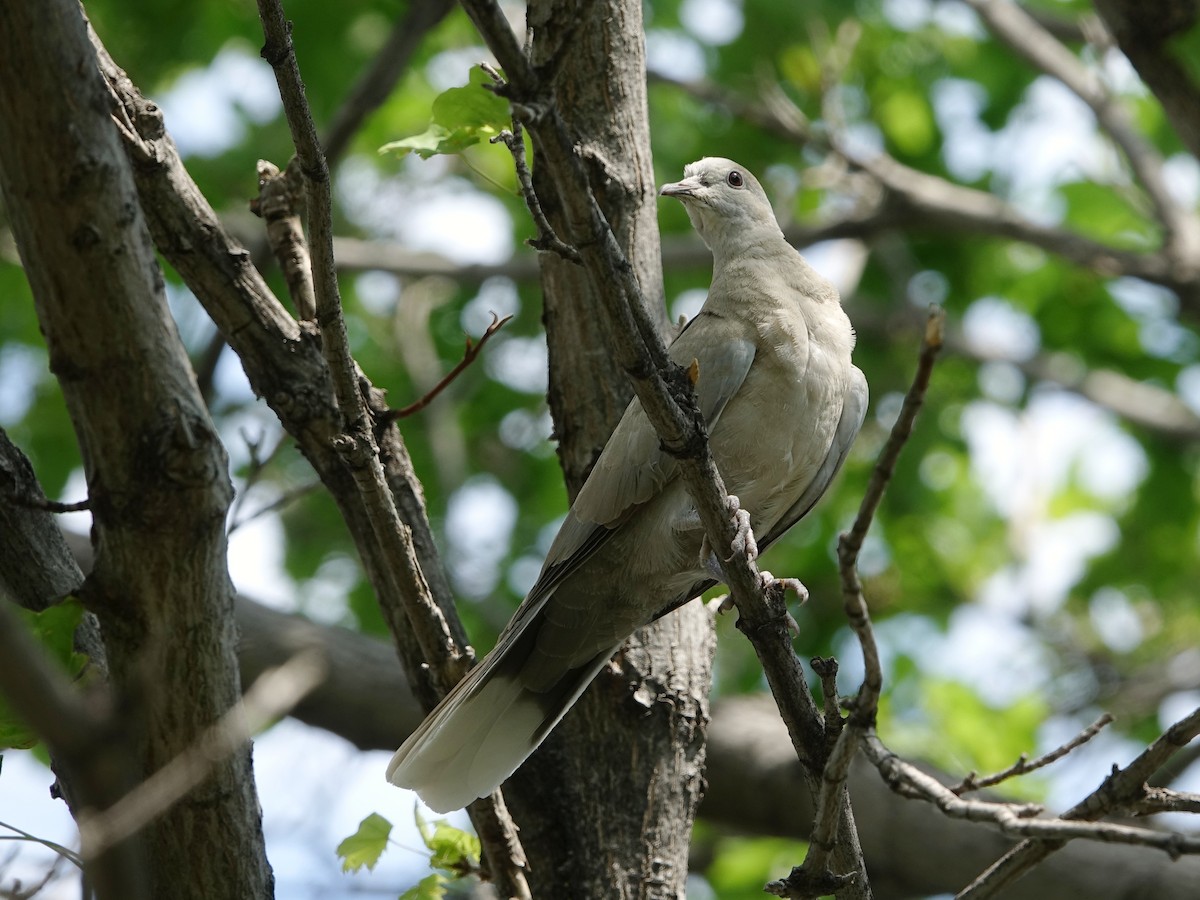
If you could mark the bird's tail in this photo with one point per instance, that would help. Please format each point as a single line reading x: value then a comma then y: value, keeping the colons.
x: 488, y: 725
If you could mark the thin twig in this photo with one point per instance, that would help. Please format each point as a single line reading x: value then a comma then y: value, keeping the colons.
x: 514, y: 140
x: 357, y: 447
x: 1121, y: 790
x: 1028, y: 39
x: 1023, y: 765
x: 472, y: 350
x: 813, y: 876
x: 287, y: 498
x: 65, y: 852
x: 46, y: 504
x: 256, y: 465
x: 272, y: 696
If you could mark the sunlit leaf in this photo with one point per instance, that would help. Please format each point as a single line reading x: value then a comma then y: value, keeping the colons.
x: 366, y: 845
x: 462, y: 116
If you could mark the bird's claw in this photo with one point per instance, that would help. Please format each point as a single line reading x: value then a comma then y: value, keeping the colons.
x: 768, y: 581
x: 743, y: 540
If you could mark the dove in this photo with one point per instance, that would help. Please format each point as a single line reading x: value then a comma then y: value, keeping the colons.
x: 782, y: 402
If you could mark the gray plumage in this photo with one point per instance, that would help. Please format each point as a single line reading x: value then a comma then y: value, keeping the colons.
x: 782, y: 403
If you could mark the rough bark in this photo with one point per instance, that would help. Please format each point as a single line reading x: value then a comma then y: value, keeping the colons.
x: 285, y: 366
x: 156, y: 471
x: 606, y: 805
x: 595, y: 53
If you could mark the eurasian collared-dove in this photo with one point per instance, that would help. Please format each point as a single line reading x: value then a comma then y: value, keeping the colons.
x: 782, y: 402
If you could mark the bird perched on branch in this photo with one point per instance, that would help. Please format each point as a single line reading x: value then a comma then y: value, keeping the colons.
x: 782, y: 402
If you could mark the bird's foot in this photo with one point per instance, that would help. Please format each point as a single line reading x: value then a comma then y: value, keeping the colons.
x: 794, y: 585
x: 743, y: 540
x: 769, y: 581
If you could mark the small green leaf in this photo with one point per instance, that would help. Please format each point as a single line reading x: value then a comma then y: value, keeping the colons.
x: 54, y: 628
x: 908, y: 122
x: 431, y: 887
x: 472, y: 106
x: 453, y: 849
x: 364, y: 847
x: 462, y: 116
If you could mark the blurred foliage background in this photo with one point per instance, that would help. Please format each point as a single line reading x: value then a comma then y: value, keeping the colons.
x: 1035, y: 560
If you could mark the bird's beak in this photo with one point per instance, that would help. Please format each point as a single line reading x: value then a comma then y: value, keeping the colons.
x: 681, y: 189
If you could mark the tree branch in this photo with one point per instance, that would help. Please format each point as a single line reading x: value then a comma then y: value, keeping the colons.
x: 666, y: 396
x: 1121, y: 790
x: 357, y: 444
x: 472, y: 351
x: 1025, y: 37
x: 1147, y: 41
x: 1023, y: 766
x: 814, y: 878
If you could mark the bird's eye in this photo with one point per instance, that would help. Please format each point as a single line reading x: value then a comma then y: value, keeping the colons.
x: 735, y: 179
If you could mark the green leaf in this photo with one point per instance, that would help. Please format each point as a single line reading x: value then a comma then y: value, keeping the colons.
x: 741, y: 866
x: 431, y: 887
x: 451, y: 848
x: 54, y: 628
x: 908, y: 122
x: 462, y: 116
x: 472, y: 107
x: 1100, y: 212
x: 365, y: 846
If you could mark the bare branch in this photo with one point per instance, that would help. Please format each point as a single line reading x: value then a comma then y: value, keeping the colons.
x: 280, y: 202
x: 287, y: 498
x: 1025, y: 37
x: 1023, y: 766
x: 47, y: 505
x: 1164, y: 800
x: 273, y: 695
x: 1122, y: 790
x: 472, y: 350
x: 814, y: 877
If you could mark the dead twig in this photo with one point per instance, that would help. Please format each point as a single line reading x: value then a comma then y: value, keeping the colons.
x: 813, y: 877
x: 1023, y: 766
x: 472, y: 350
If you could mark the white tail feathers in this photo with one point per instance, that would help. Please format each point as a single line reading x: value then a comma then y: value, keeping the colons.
x: 483, y: 730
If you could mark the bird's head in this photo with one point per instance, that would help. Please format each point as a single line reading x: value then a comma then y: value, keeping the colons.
x: 726, y: 204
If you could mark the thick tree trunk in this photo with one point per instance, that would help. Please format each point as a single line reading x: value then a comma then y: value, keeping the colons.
x: 156, y: 471
x: 606, y: 806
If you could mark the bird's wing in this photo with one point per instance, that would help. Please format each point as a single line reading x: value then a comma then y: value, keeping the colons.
x: 633, y: 467
x: 854, y: 410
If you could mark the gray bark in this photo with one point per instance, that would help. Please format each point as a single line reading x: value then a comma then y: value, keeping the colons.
x: 156, y: 471
x: 606, y: 805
